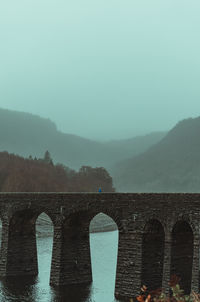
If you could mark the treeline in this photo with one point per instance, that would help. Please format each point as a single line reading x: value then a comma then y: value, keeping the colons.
x: 18, y: 174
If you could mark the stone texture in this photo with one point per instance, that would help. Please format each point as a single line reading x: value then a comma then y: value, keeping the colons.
x: 158, y: 236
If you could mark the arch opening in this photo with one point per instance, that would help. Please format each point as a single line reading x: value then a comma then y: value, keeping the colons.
x: 102, y: 223
x: 44, y: 238
x: 152, y: 254
x: 104, y: 241
x: 182, y: 254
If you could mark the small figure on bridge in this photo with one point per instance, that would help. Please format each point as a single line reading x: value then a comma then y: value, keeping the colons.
x: 100, y: 190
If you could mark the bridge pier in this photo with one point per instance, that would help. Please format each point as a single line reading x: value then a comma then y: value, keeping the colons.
x: 71, y: 262
x: 19, y: 250
x: 195, y: 265
x: 128, y: 277
x: 4, y: 248
x: 167, y: 264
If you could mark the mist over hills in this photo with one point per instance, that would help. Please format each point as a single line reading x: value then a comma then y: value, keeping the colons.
x: 26, y: 134
x: 171, y: 165
x: 168, y: 162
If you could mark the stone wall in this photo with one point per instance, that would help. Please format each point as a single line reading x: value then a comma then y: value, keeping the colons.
x: 157, y: 233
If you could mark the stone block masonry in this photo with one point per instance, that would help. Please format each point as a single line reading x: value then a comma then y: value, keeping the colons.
x: 158, y: 237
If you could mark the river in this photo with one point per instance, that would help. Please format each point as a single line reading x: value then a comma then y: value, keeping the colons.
x: 104, y: 259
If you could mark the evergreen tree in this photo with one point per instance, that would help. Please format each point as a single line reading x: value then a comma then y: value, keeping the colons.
x: 47, y: 158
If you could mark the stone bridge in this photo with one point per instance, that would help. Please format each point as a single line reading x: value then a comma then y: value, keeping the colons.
x: 158, y: 237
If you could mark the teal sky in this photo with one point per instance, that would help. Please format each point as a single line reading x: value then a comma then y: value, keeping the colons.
x: 101, y: 68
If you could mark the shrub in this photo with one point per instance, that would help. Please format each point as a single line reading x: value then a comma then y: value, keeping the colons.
x: 176, y: 294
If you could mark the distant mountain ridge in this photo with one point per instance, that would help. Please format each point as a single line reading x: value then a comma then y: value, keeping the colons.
x: 155, y: 162
x: 171, y: 165
x: 26, y: 134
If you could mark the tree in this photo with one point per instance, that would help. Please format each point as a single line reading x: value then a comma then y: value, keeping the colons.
x: 47, y: 158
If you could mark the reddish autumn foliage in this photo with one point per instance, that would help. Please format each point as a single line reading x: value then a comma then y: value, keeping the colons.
x: 174, y: 280
x: 18, y: 174
x: 141, y: 298
x: 176, y: 295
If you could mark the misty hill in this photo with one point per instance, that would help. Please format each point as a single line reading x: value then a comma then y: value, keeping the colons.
x: 172, y: 165
x: 26, y: 134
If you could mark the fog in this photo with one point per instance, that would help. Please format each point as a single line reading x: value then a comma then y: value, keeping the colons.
x: 101, y: 69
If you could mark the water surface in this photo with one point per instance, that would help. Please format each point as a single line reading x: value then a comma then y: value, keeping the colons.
x: 104, y: 259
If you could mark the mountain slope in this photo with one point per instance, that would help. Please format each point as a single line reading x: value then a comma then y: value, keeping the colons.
x: 172, y: 165
x: 26, y: 134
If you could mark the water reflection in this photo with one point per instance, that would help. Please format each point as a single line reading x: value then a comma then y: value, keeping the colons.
x: 17, y: 289
x: 73, y: 293
x: 26, y: 289
x: 104, y: 257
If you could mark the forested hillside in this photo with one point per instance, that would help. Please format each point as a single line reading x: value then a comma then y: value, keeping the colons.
x: 172, y: 165
x: 18, y: 174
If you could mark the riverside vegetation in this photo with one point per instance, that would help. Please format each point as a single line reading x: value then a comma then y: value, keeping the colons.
x: 18, y: 174
x: 176, y: 294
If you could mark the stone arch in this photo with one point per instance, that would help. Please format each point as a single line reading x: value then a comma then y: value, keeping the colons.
x: 182, y: 253
x: 44, y: 234
x: 43, y: 219
x: 18, y: 211
x: 32, y: 212
x: 151, y: 218
x: 42, y: 210
x: 104, y: 248
x: 88, y: 213
x: 111, y: 214
x: 153, y: 239
x: 22, y: 245
x: 100, y: 228
x: 188, y: 219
